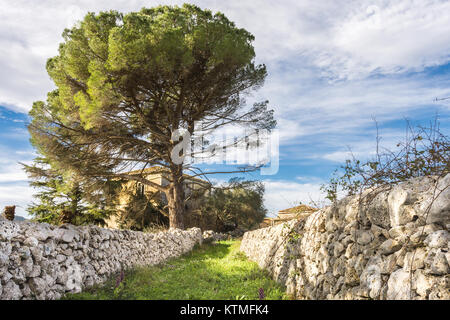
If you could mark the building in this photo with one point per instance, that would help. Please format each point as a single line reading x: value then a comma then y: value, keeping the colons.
x: 194, y: 188
x: 298, y: 212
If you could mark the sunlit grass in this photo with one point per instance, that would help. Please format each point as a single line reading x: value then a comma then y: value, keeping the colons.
x: 209, y: 272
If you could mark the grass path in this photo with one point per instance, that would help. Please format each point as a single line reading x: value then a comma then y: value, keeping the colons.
x: 209, y: 272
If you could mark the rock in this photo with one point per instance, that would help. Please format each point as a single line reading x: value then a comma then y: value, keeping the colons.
x: 351, y: 208
x: 397, y: 232
x: 212, y: 236
x: 64, y: 234
x: 4, y: 259
x: 379, y: 232
x: 438, y: 239
x: 415, y: 260
x: 399, y: 212
x: 43, y: 262
x: 60, y: 258
x: 24, y: 252
x: 351, y: 277
x: 338, y: 267
x: 389, y: 246
x: 368, y: 249
x: 26, y: 292
x: 422, y: 283
x: 35, y: 272
x: 38, y: 285
x: 11, y: 291
x: 31, y: 242
x: 399, y: 286
x: 422, y: 232
x: 49, y: 248
x: 378, y: 211
x: 352, y: 250
x: 439, y: 264
x: 371, y: 278
x: 41, y: 234
x: 440, y: 208
x: 439, y: 293
x: 338, y: 249
x: 389, y: 264
x: 8, y: 230
x: 330, y: 226
x: 74, y: 281
x: 36, y: 253
x: 364, y: 237
x: 27, y: 265
x: 400, y: 256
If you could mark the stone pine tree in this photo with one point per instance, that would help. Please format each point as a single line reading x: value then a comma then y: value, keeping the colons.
x: 125, y: 83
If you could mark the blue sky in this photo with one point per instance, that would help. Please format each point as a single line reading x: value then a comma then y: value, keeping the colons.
x: 333, y: 66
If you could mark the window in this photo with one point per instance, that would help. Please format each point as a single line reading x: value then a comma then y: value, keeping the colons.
x: 140, y: 188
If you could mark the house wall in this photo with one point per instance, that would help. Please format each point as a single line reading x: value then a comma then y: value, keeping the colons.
x: 130, y: 187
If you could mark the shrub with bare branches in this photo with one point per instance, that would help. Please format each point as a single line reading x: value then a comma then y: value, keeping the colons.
x: 425, y: 151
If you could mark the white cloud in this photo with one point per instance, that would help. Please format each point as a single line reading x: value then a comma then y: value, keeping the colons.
x: 283, y: 194
x: 13, y: 175
x: 14, y: 187
x: 389, y: 37
x: 332, y: 66
x: 340, y: 113
x: 349, y: 39
x: 342, y: 39
x: 301, y: 41
x: 18, y: 194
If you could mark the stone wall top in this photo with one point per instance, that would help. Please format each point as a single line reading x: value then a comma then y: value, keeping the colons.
x: 396, y: 246
x: 42, y: 261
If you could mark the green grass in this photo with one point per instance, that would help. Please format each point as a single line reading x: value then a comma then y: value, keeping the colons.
x: 209, y: 272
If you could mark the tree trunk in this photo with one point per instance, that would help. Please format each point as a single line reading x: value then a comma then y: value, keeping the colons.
x: 175, y: 198
x: 75, y: 197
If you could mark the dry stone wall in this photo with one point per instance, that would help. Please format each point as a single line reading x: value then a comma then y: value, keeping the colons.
x: 394, y: 247
x: 41, y: 261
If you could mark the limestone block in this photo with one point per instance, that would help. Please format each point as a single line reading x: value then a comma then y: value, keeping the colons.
x: 399, y: 285
x: 438, y: 239
x: 389, y: 246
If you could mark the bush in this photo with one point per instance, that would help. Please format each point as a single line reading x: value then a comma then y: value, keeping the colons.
x: 425, y: 151
x: 236, y: 205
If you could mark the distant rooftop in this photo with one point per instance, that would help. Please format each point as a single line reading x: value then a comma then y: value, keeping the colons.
x: 298, y: 209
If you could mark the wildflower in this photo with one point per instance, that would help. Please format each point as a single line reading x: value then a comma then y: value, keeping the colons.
x: 261, y: 294
x: 120, y: 278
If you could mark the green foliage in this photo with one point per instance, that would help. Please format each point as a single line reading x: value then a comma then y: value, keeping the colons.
x: 126, y: 82
x: 209, y: 272
x: 239, y: 204
x: 63, y: 199
x: 144, y: 212
x: 424, y: 152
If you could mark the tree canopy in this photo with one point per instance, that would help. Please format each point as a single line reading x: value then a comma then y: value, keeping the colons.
x: 240, y: 204
x: 126, y: 83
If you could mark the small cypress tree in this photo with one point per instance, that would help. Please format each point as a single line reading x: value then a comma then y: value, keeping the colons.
x: 63, y: 199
